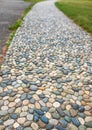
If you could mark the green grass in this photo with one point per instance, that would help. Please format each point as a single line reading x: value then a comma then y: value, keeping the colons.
x: 78, y: 10
x: 10, y: 38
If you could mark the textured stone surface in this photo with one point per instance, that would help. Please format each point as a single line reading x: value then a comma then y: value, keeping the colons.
x: 46, y: 77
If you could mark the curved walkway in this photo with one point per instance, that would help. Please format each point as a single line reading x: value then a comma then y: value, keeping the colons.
x: 46, y: 77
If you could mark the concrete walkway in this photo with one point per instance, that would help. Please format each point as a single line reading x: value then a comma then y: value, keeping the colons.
x: 46, y: 77
x: 10, y: 11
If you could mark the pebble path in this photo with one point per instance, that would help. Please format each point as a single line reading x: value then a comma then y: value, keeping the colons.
x: 46, y: 77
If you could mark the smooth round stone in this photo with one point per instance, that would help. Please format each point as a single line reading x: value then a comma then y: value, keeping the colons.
x: 63, y: 123
x: 68, y: 107
x: 45, y: 100
x: 36, y: 97
x: 49, y: 127
x: 72, y: 127
x: 21, y: 120
x: 48, y: 115
x: 37, y: 105
x: 42, y: 103
x: 23, y: 114
x: 81, y: 120
x: 32, y: 100
x: 4, y: 108
x: 39, y: 92
x: 23, y: 96
x: 9, y: 122
x: 18, y: 110
x: 44, y: 119
x: 25, y: 102
x: 82, y: 115
x: 55, y: 116
x: 31, y: 111
x: 73, y: 112
x: 49, y: 105
x: 87, y: 113
x: 17, y: 100
x: 51, y: 100
x: 81, y: 92
x: 75, y: 106
x: 75, y: 121
x: 45, y: 109
x: 27, y: 123
x: 11, y: 110
x: 39, y: 112
x: 56, y: 104
x: 33, y: 87
x: 3, y: 113
x: 30, y: 117
x: 11, y: 99
x: 14, y: 116
x: 34, y: 126
x: 15, y: 125
x: 68, y: 119
x: 81, y: 109
x: 41, y: 124
x: 52, y: 110
x: 36, y: 117
x: 25, y: 108
x: 12, y: 104
x: 53, y: 121
x: 82, y: 127
x: 88, y: 119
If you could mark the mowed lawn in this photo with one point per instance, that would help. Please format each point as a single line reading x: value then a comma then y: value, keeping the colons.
x: 78, y: 10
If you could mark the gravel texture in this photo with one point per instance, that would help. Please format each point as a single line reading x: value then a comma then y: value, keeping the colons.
x: 46, y: 77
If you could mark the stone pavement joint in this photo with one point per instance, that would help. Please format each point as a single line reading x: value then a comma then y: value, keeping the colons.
x: 46, y: 77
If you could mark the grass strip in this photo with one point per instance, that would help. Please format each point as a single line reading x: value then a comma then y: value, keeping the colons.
x: 79, y: 11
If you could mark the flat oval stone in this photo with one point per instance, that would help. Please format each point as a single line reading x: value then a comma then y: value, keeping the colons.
x: 68, y: 119
x: 53, y: 121
x: 63, y: 123
x: 21, y: 120
x: 30, y: 117
x: 9, y: 122
x: 34, y: 126
x: 16, y: 125
x: 49, y: 127
x: 39, y: 112
x: 72, y: 127
x: 33, y: 87
x: 81, y: 109
x: 35, y: 117
x: 56, y: 104
x: 75, y: 106
x: 75, y: 121
x: 14, y: 116
x: 44, y: 119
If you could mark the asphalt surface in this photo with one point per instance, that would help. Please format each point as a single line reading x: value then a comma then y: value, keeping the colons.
x: 10, y: 11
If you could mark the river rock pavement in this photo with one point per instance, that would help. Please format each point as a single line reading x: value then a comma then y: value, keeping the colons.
x: 46, y: 77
